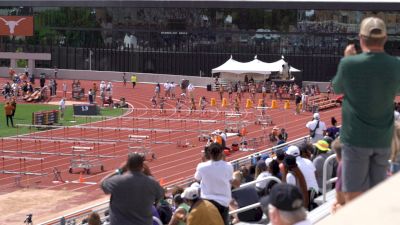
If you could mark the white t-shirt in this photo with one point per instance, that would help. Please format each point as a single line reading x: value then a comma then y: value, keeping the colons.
x: 215, y: 181
x: 62, y: 104
x: 312, y: 124
x: 291, y: 179
x: 308, y: 170
x: 263, y: 184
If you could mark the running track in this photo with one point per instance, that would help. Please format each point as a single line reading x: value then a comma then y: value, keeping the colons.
x: 172, y: 164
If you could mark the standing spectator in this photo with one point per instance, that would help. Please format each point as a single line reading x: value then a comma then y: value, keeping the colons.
x: 109, y: 89
x: 124, y: 79
x: 94, y: 90
x: 133, y: 193
x: 317, y: 128
x: 14, y: 105
x: 64, y: 90
x: 297, y: 100
x: 55, y: 72
x: 26, y: 70
x: 8, y: 109
x: 157, y: 90
x: 322, y: 153
x: 215, y: 176
x: 90, y: 96
x: 133, y: 80
x: 55, y: 87
x: 284, y: 206
x: 32, y: 78
x: 62, y: 107
x: 42, y: 79
x: 367, y: 115
x: 201, y: 211
x: 51, y: 84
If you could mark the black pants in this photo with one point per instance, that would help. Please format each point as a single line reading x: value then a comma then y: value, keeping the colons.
x: 9, y: 117
x: 224, y: 211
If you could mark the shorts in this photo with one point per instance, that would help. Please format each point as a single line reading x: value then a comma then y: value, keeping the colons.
x: 363, y: 168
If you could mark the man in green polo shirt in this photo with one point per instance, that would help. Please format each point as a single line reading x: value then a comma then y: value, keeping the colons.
x: 369, y: 82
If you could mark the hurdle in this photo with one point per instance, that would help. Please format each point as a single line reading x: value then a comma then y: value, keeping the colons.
x: 82, y: 160
x: 22, y: 166
x: 141, y: 144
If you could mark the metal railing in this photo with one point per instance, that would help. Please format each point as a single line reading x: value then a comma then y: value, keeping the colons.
x: 325, y: 180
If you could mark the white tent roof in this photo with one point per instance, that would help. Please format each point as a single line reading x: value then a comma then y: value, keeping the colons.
x: 255, y: 66
x: 233, y: 66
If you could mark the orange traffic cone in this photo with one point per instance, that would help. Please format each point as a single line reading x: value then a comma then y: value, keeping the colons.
x: 81, y: 179
x: 224, y: 103
x: 162, y: 182
x: 249, y: 104
x: 213, y: 102
x: 274, y: 104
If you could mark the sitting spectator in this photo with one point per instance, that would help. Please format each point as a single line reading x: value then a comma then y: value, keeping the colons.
x: 201, y: 211
x: 291, y: 174
x: 94, y: 219
x: 283, y: 135
x: 322, y: 153
x: 284, y: 206
x: 109, y: 101
x: 340, y: 200
x: 181, y: 211
x: 122, y: 103
x: 247, y: 177
x: 214, y: 177
x: 133, y: 193
x: 244, y: 197
x: 164, y: 210
x: 333, y: 131
x: 307, y: 168
x: 306, y: 151
x: 262, y: 172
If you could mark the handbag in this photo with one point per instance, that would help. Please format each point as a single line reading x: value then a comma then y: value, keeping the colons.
x: 312, y: 132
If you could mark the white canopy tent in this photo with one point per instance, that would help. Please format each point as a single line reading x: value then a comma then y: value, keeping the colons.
x: 259, y: 70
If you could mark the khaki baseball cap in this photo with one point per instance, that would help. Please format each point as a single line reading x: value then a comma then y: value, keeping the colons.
x: 373, y: 27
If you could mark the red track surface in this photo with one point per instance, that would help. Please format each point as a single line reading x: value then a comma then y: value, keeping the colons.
x: 172, y: 164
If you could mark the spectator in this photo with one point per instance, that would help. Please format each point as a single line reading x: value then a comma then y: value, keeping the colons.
x: 307, y: 168
x: 322, y: 153
x: 395, y: 156
x: 333, y: 131
x: 214, y: 177
x: 316, y: 128
x: 181, y: 211
x: 284, y: 206
x: 62, y: 108
x: 164, y: 210
x: 246, y: 174
x: 282, y: 137
x: 133, y: 193
x: 261, y: 173
x: 244, y: 197
x: 8, y: 110
x: 340, y: 200
x: 367, y: 115
x: 291, y: 174
x: 94, y: 219
x: 201, y: 211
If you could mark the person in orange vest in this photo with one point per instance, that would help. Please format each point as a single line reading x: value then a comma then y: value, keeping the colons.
x: 9, y: 109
